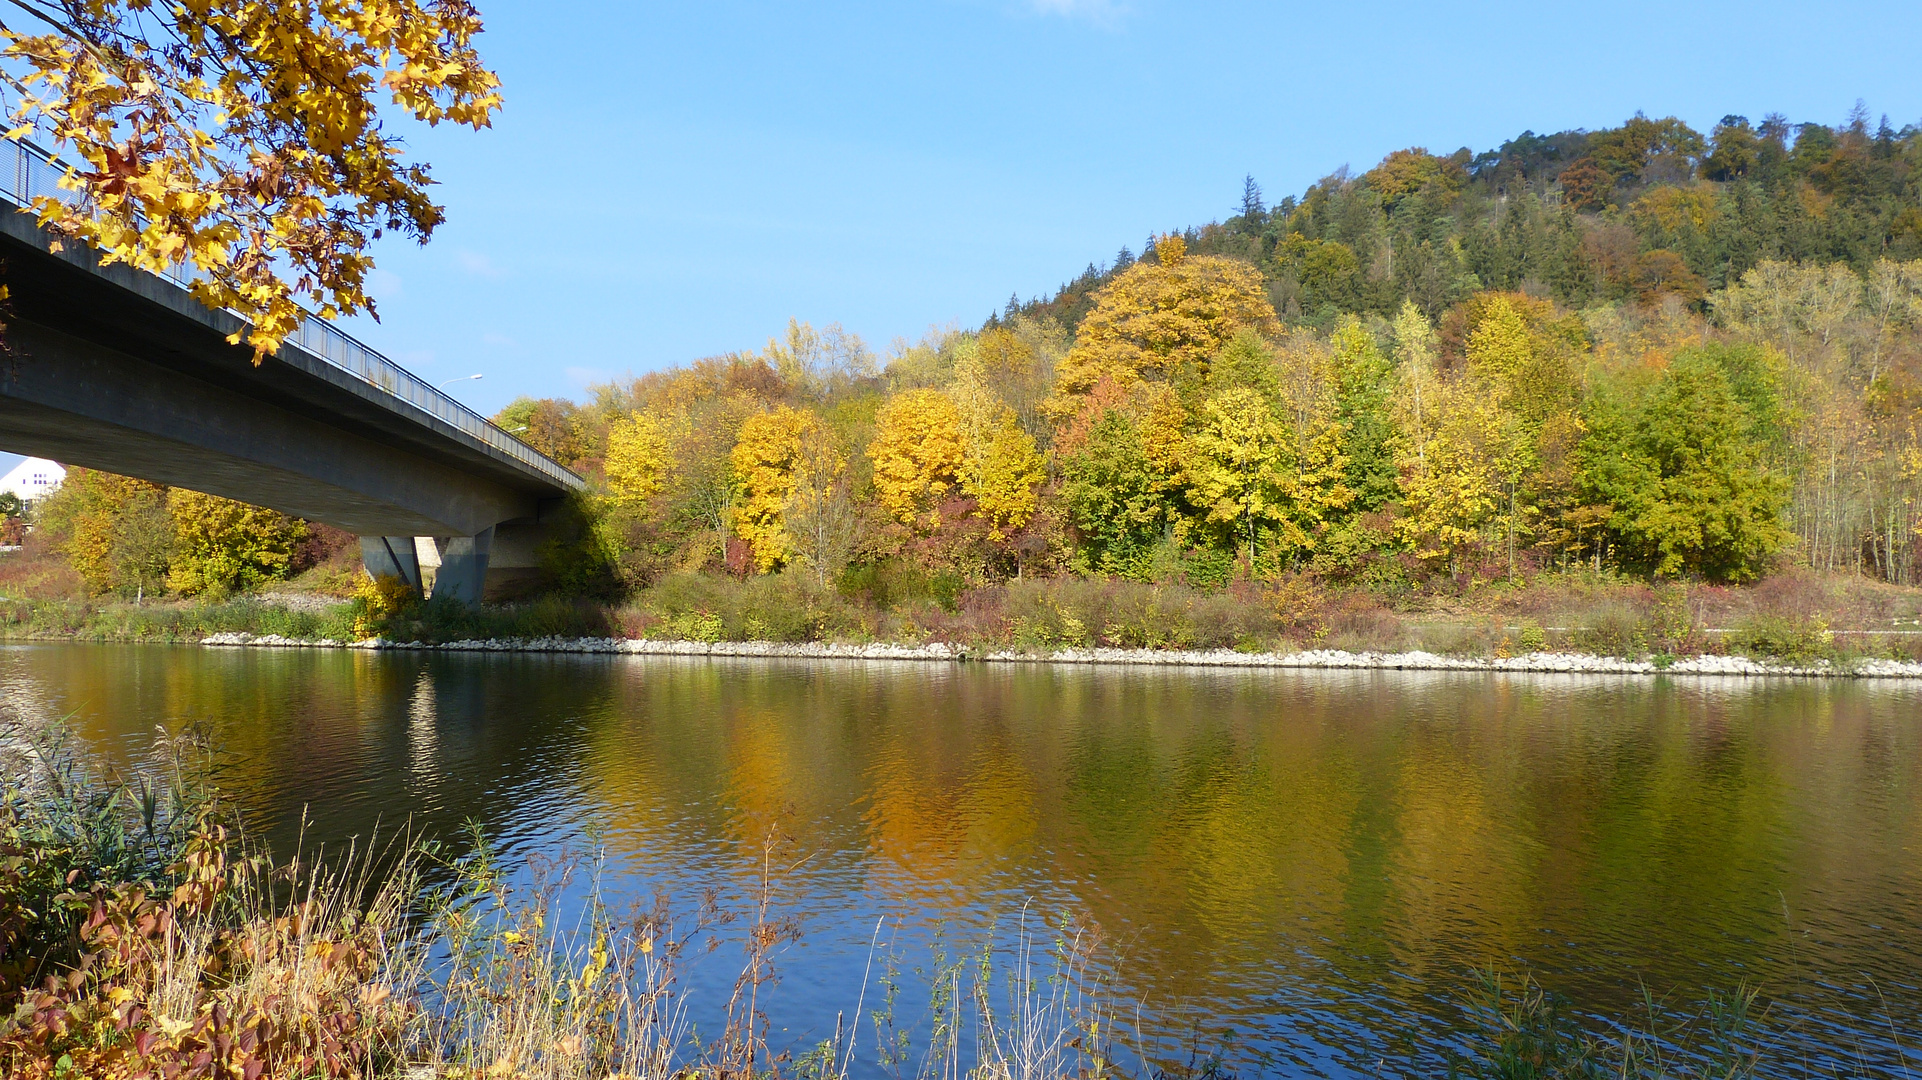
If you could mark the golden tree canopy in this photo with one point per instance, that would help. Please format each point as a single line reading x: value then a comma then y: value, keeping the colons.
x: 637, y: 457
x: 222, y: 546
x: 1451, y: 470
x: 1244, y: 472
x: 765, y: 459
x: 1501, y: 344
x: 1002, y: 473
x: 244, y: 136
x: 1156, y: 318
x: 917, y: 452
x: 1405, y: 172
x: 1523, y: 352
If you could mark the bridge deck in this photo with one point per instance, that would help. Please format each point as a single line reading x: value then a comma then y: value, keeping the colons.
x: 321, y: 372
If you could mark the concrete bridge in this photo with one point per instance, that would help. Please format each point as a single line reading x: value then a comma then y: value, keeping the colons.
x: 117, y: 369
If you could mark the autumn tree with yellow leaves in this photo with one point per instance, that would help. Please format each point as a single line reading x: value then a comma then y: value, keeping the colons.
x: 115, y: 531
x: 1001, y: 465
x: 1452, y: 484
x: 767, y: 457
x: 637, y: 460
x: 244, y: 136
x: 223, y: 547
x: 1002, y: 472
x: 1158, y: 318
x: 821, y: 515
x: 1245, y: 476
x: 917, y: 451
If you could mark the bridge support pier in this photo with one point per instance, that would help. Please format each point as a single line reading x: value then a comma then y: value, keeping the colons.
x: 391, y: 556
x: 463, y: 566
x: 498, y: 563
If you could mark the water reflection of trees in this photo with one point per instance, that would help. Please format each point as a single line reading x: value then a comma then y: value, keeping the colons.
x: 349, y: 737
x: 1412, y: 824
x: 1359, y: 838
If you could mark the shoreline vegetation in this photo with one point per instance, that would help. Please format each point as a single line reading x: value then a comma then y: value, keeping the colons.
x: 143, y: 935
x: 1796, y: 623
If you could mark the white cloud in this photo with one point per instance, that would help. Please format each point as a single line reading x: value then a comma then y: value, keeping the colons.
x: 498, y: 341
x: 586, y: 376
x: 1092, y: 10
x: 384, y: 285
x: 477, y: 264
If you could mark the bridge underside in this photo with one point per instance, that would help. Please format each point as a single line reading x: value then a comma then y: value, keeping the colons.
x: 74, y: 401
x: 113, y: 369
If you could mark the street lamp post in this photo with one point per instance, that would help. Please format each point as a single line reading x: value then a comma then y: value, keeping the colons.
x: 451, y: 382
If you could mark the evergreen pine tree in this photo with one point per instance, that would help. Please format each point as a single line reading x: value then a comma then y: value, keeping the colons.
x: 1253, y: 212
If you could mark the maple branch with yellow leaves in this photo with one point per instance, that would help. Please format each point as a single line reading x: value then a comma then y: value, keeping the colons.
x: 244, y: 137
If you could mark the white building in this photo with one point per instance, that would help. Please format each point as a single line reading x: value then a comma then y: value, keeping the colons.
x: 33, y: 479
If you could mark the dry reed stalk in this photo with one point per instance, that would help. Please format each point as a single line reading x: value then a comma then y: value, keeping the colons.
x: 518, y: 995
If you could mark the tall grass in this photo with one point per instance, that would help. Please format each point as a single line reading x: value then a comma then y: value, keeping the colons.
x: 1040, y: 1010
x: 1527, y: 1033
x: 518, y: 992
x: 139, y: 937
x: 170, y: 621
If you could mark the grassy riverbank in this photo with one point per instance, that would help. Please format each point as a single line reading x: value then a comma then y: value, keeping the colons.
x: 1796, y: 617
x: 140, y: 935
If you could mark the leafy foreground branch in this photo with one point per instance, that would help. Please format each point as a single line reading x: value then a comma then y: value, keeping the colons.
x: 141, y: 936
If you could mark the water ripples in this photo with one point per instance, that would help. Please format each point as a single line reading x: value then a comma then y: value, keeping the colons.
x: 1302, y: 868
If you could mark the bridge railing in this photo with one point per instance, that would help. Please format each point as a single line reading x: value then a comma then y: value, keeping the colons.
x: 26, y: 172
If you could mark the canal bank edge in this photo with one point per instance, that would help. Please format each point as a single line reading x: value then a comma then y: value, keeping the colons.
x: 1541, y: 662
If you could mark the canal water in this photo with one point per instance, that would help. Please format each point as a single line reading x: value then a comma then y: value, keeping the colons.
x: 1298, y: 870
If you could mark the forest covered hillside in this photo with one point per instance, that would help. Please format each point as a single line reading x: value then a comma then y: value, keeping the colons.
x: 1649, y: 209
x: 1644, y: 349
x: 1644, y: 352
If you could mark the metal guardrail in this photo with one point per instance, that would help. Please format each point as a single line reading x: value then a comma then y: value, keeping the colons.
x: 26, y: 171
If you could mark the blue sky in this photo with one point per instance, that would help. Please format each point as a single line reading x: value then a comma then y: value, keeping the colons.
x: 670, y: 181
x: 673, y: 181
